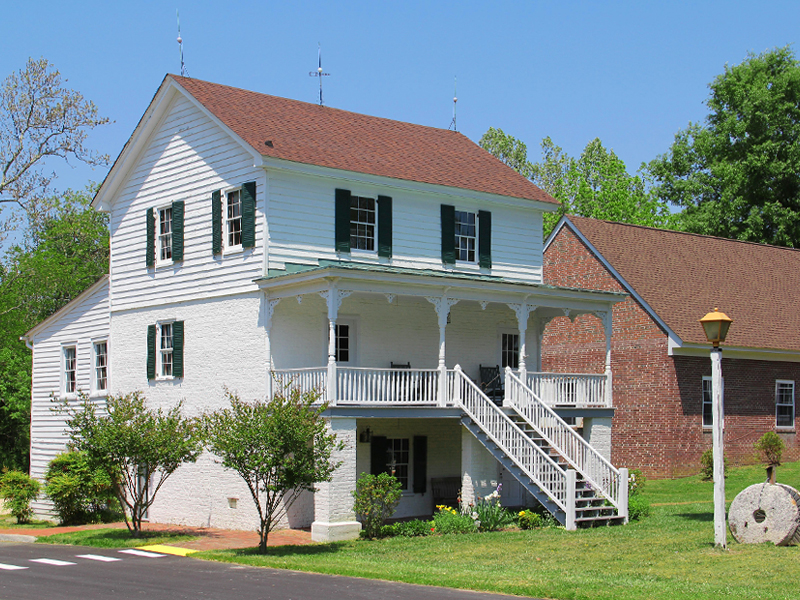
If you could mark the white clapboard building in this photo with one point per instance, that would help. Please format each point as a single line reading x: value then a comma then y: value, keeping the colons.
x: 258, y: 242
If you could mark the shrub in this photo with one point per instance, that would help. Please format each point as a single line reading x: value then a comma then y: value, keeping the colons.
x: 636, y: 482
x: 376, y: 498
x: 707, y: 466
x: 79, y: 493
x: 638, y: 507
x: 489, y: 515
x: 527, y: 519
x: 771, y: 447
x: 18, y: 489
x: 449, y: 520
x: 413, y: 528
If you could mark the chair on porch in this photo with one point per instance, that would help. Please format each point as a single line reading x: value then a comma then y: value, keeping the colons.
x: 492, y: 383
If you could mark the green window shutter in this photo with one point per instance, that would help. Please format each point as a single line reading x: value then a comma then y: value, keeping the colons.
x: 216, y: 222
x: 485, y: 239
x: 177, y: 349
x: 385, y: 226
x: 151, y: 238
x: 448, y: 234
x: 378, y: 451
x: 342, y: 225
x: 420, y: 464
x: 151, y: 351
x: 177, y: 230
x: 249, y: 215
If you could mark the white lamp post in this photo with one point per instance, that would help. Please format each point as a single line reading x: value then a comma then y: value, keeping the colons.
x: 716, y: 325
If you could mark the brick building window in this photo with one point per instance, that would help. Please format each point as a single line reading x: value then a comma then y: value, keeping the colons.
x: 708, y: 420
x: 784, y: 403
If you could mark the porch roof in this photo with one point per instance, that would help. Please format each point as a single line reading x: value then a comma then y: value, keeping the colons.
x: 384, y: 279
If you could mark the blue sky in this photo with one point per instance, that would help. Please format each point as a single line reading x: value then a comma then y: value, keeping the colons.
x: 630, y: 73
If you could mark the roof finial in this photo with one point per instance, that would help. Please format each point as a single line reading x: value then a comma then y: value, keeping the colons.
x: 180, y: 44
x: 453, y: 125
x: 319, y: 73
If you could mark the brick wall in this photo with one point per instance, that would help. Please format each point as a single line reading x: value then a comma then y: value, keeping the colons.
x: 657, y: 425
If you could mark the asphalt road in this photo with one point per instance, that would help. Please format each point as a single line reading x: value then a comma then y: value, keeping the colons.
x: 36, y: 572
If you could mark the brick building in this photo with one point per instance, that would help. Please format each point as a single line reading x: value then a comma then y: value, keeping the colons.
x: 659, y: 356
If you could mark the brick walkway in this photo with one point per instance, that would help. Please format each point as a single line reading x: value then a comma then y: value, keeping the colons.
x: 209, y: 538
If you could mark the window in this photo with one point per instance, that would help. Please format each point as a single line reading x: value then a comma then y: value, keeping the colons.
x: 101, y: 366
x: 784, y: 403
x: 165, y: 350
x: 397, y: 459
x: 70, y: 369
x: 509, y: 350
x: 708, y: 419
x: 362, y: 223
x: 342, y: 343
x: 165, y: 234
x: 233, y: 219
x: 465, y: 236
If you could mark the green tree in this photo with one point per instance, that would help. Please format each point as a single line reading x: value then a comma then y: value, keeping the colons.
x: 280, y: 448
x: 737, y: 174
x: 137, y: 447
x: 40, y: 119
x: 376, y: 498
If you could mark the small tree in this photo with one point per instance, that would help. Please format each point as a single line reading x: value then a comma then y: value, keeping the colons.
x: 280, y: 448
x: 137, y: 447
x: 80, y: 493
x: 771, y: 446
x: 18, y: 489
x: 376, y: 498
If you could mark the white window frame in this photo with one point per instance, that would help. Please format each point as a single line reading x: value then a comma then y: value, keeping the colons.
x: 352, y: 324
x: 96, y: 389
x: 65, y: 378
x: 501, y: 334
x: 409, y: 465
x: 161, y: 351
x: 227, y: 246
x: 159, y: 235
x: 707, y: 401
x: 374, y: 225
x: 793, y: 405
x: 475, y: 255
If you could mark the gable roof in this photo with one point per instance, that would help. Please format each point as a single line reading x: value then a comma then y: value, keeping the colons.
x: 323, y: 136
x: 683, y: 276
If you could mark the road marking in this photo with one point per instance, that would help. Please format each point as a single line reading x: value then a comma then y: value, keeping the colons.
x: 175, y: 550
x: 142, y: 553
x: 98, y: 557
x: 52, y: 561
x: 10, y: 567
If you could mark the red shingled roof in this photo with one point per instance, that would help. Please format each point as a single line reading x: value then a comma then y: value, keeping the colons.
x: 683, y: 276
x: 329, y: 137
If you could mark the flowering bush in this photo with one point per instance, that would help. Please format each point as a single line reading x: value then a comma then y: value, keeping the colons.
x: 489, y: 515
x: 636, y: 481
x: 527, y: 519
x: 448, y: 520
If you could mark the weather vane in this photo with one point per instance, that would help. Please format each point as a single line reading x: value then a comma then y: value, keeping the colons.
x: 453, y: 125
x: 319, y: 73
x: 180, y: 44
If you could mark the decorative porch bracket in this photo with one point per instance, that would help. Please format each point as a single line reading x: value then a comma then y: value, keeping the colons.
x: 269, y: 309
x: 522, y: 311
x: 333, y: 297
x: 442, y: 304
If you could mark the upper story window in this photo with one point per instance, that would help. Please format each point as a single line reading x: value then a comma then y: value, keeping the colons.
x: 509, y: 350
x: 708, y: 419
x: 165, y: 234
x: 466, y: 235
x: 784, y: 403
x: 233, y: 218
x: 101, y: 366
x: 362, y: 223
x: 70, y: 369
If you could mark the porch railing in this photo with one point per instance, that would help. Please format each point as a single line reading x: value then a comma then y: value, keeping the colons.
x: 501, y: 430
x: 386, y: 386
x: 570, y: 389
x: 595, y: 468
x: 306, y: 380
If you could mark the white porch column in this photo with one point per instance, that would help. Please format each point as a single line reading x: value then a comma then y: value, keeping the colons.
x: 333, y: 502
x: 522, y: 311
x: 333, y: 298
x: 269, y: 309
x: 608, y: 326
x: 442, y: 305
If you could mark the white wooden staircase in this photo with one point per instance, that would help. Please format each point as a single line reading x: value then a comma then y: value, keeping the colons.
x: 554, y: 463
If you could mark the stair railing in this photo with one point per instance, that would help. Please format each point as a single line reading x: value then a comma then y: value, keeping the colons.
x: 534, y: 462
x: 604, y: 478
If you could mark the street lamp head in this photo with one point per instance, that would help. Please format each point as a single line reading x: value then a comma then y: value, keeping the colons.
x: 716, y: 325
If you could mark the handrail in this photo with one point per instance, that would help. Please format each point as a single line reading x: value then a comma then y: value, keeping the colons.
x: 305, y: 379
x: 386, y: 386
x: 502, y: 431
x: 596, y: 469
x: 570, y: 389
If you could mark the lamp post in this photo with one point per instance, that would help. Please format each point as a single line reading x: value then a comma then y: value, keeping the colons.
x: 716, y: 325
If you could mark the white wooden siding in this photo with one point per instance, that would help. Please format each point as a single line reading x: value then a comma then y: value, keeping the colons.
x: 80, y: 325
x: 186, y: 158
x: 301, y: 217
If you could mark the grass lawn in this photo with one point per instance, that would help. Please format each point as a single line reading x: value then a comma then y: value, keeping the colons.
x: 113, y: 538
x: 669, y: 555
x: 10, y: 522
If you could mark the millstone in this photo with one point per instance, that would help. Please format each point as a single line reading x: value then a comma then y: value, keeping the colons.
x: 766, y: 513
